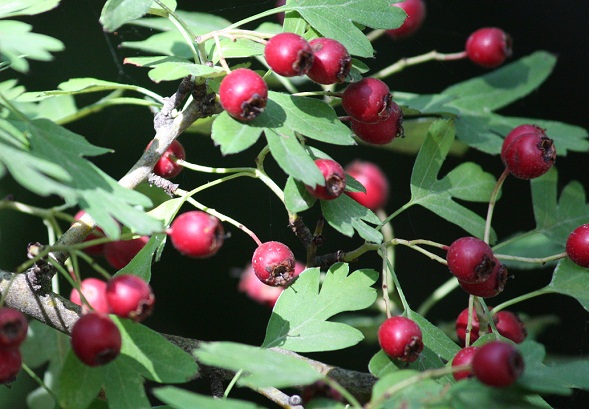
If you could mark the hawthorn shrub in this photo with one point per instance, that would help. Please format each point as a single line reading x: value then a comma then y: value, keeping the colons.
x: 283, y: 129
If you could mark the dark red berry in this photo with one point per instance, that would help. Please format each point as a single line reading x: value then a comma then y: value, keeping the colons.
x: 96, y: 340
x: 260, y: 292
x: 416, y: 12
x: 165, y: 166
x: 129, y: 296
x: 319, y: 390
x: 197, y: 234
x: 529, y: 155
x: 462, y: 325
x: 10, y: 364
x: 335, y: 180
x: 331, y: 63
x: 13, y: 328
x: 488, y: 47
x: 497, y: 363
x: 374, y: 181
x: 510, y: 326
x: 97, y: 249
x: 463, y: 357
x: 400, y: 338
x: 470, y: 259
x: 119, y: 253
x: 517, y: 131
x: 381, y: 133
x: 274, y: 263
x: 94, y: 291
x: 491, y: 286
x: 368, y: 100
x: 577, y: 245
x: 243, y: 94
x: 289, y: 54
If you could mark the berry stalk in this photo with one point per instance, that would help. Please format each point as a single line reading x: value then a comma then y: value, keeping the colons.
x: 419, y: 59
x: 492, y: 202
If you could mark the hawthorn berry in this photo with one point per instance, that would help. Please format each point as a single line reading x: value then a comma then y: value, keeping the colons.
x: 374, y: 181
x: 273, y: 263
x: 520, y: 130
x: 416, y: 12
x: 120, y: 252
x: 577, y: 245
x: 129, y: 296
x: 470, y: 259
x: 529, y: 155
x: 381, y: 133
x: 463, y: 357
x: 259, y: 291
x: 400, y: 338
x: 368, y: 100
x: 461, y: 326
x: 165, y: 166
x: 96, y: 340
x: 497, y: 363
x: 488, y: 47
x: 335, y: 180
x: 10, y: 364
x: 243, y: 94
x: 94, y: 291
x: 13, y: 328
x: 289, y: 54
x: 97, y: 249
x: 510, y: 326
x: 197, y: 234
x: 331, y: 62
x: 491, y: 286
x: 318, y: 390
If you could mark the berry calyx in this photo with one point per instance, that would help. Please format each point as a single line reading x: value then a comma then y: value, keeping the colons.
x: 368, y: 100
x: 273, y: 263
x: 497, y: 363
x: 470, y: 259
x: 416, y: 12
x: 529, y: 155
x: 119, y: 253
x: 10, y: 364
x: 94, y: 291
x: 331, y: 62
x: 289, y: 54
x: 400, y: 338
x: 381, y: 133
x: 517, y: 131
x: 129, y: 296
x: 197, y: 234
x: 577, y: 246
x: 13, y: 328
x: 243, y: 93
x: 165, y: 166
x: 374, y: 181
x: 488, y: 47
x: 491, y: 286
x: 259, y: 291
x: 96, y: 340
x: 335, y: 180
x: 97, y: 249
x: 463, y: 357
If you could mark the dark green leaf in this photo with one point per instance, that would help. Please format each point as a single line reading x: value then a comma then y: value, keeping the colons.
x: 140, y: 265
x: 572, y: 280
x: 115, y: 13
x: 416, y: 395
x: 181, y: 399
x: 434, y: 338
x: 41, y: 343
x: 233, y: 136
x: 78, y: 383
x: 296, y: 196
x: 124, y: 388
x: 462, y: 394
x: 346, y: 215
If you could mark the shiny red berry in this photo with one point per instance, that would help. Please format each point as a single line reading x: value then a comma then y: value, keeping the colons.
x: 381, y: 133
x: 461, y: 326
x: 374, y: 181
x: 289, y: 54
x: 368, y: 100
x: 416, y: 12
x: 119, y: 253
x: 529, y: 155
x: 331, y: 63
x: 400, y: 338
x: 165, y: 166
x: 197, y: 234
x: 260, y: 292
x: 243, y: 94
x: 491, y: 286
x: 463, y: 357
x: 97, y: 249
x: 510, y: 326
x: 10, y: 365
x: 470, y: 259
x: 497, y: 363
x: 517, y: 131
x: 13, y: 328
x: 94, y: 291
x: 335, y: 180
x: 488, y: 47
x: 129, y: 296
x: 96, y: 340
x: 577, y: 246
x: 273, y: 263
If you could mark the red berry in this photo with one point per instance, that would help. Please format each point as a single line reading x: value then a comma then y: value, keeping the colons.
x: 273, y: 263
x: 289, y: 54
x: 368, y: 100
x: 10, y: 364
x: 260, y: 292
x: 517, y: 131
x: 97, y: 249
x: 374, y: 181
x: 335, y: 180
x: 381, y: 133
x: 488, y: 47
x: 470, y: 259
x: 94, y: 291
x: 129, y: 296
x: 320, y: 390
x: 463, y: 357
x: 165, y: 166
x: 497, y: 363
x: 243, y: 94
x: 577, y: 245
x: 510, y: 326
x: 13, y: 328
x: 96, y: 340
x: 119, y: 253
x: 332, y: 62
x: 400, y: 338
x: 529, y: 155
x: 416, y: 12
x: 491, y: 286
x: 462, y: 324
x: 197, y: 234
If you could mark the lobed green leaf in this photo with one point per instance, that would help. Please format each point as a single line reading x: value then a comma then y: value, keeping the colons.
x: 116, y: 13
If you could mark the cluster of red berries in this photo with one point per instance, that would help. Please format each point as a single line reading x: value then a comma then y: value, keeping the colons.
x: 13, y: 331
x: 96, y: 339
x: 508, y: 324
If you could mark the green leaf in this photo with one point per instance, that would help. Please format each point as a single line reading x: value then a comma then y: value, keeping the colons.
x: 233, y: 136
x: 115, y: 13
x: 467, y: 182
x: 461, y: 395
x: 434, y: 338
x: 166, y: 68
x: 181, y: 399
x: 262, y: 367
x: 78, y: 383
x: 346, y: 215
x: 571, y: 280
x: 415, y: 395
x: 124, y: 388
x: 199, y: 23
x: 296, y: 196
x: 299, y: 319
x: 42, y: 343
x: 140, y: 265
x: 26, y: 7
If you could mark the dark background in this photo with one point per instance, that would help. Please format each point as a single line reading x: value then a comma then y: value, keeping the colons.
x: 198, y: 298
